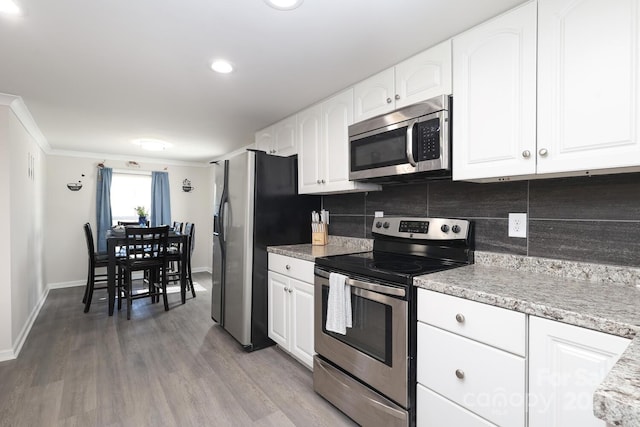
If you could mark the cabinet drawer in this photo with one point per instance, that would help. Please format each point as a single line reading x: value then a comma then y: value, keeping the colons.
x: 491, y: 325
x: 492, y: 383
x: 434, y: 410
x: 292, y: 267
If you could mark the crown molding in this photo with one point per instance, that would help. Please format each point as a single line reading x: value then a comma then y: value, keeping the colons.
x: 19, y: 108
x: 233, y: 153
x: 125, y: 158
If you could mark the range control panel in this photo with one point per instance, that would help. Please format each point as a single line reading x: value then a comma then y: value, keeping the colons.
x: 422, y: 228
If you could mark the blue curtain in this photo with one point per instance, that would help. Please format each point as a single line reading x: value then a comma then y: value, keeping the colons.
x: 103, y: 207
x: 160, y: 200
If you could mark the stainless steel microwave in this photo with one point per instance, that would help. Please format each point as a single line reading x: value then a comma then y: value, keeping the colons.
x: 411, y: 142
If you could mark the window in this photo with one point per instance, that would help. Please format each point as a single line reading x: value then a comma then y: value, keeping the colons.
x: 129, y: 190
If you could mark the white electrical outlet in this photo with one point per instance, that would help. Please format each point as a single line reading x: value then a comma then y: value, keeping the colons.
x: 379, y: 214
x: 518, y: 225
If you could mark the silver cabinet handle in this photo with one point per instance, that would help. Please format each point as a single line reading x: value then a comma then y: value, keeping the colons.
x: 460, y: 318
x: 288, y: 267
x: 460, y: 373
x: 388, y: 100
x: 543, y: 152
x: 318, y: 181
x: 290, y: 290
x: 397, y: 96
x: 322, y: 180
x: 526, y: 154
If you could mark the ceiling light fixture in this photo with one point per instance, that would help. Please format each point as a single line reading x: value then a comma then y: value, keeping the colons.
x: 284, y: 4
x: 151, y: 144
x: 9, y: 7
x: 221, y: 66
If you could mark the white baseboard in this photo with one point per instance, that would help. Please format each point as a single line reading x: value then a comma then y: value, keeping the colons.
x: 201, y: 270
x: 6, y: 355
x: 62, y: 285
x: 24, y: 333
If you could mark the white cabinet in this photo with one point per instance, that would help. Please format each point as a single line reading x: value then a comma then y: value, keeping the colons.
x: 323, y: 159
x: 494, y: 94
x: 279, y: 139
x: 420, y: 77
x: 290, y: 305
x: 588, y: 84
x: 566, y: 364
x: 461, y: 365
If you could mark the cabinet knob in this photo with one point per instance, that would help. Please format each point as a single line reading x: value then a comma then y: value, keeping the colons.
x: 460, y: 373
x: 460, y: 318
x: 290, y: 290
x: 526, y: 154
x: 389, y: 100
x: 397, y: 96
x: 288, y: 267
x: 543, y: 152
x: 322, y: 181
x: 318, y: 181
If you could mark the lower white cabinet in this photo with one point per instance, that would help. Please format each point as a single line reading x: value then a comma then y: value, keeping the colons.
x: 566, y: 365
x: 290, y: 304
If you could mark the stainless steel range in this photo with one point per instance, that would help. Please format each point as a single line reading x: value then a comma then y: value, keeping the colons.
x: 369, y: 372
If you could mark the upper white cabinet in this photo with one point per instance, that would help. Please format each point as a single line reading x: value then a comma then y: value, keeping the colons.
x: 323, y: 141
x: 587, y: 111
x: 279, y: 139
x: 494, y: 97
x: 566, y: 364
x: 420, y: 77
x: 588, y: 84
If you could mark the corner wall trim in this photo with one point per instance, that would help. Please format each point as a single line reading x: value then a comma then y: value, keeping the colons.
x: 6, y: 355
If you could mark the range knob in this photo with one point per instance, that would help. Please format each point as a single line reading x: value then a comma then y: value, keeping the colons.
x: 386, y: 224
x: 455, y: 228
x: 378, y: 224
x: 444, y: 228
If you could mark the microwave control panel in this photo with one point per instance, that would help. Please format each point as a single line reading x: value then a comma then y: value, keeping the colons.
x: 427, y: 135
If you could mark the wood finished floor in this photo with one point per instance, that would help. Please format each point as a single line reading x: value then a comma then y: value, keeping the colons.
x: 175, y: 368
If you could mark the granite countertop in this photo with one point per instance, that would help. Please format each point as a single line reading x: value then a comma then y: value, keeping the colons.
x: 338, y: 245
x: 608, y: 301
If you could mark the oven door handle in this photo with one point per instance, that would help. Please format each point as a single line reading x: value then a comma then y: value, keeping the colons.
x: 410, y: 157
x: 374, y: 287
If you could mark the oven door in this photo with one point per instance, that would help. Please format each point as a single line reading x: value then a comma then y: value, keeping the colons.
x: 375, y: 349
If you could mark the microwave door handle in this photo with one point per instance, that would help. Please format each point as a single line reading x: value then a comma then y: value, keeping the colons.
x: 410, y: 157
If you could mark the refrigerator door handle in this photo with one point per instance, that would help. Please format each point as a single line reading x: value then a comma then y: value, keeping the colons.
x: 225, y: 223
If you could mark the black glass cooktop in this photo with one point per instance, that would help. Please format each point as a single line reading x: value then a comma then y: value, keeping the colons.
x: 391, y: 267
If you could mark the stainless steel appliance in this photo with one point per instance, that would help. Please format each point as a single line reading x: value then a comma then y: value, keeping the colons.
x: 369, y: 372
x: 409, y: 143
x: 256, y: 205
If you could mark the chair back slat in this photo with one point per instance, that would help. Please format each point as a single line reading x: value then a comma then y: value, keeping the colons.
x: 146, y: 243
x: 189, y: 230
x: 88, y: 235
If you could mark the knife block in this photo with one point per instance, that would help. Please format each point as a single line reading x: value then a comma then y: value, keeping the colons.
x: 320, y: 237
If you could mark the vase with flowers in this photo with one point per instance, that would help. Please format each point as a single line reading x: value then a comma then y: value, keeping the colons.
x: 142, y: 215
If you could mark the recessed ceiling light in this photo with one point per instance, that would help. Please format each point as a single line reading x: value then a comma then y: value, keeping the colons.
x: 284, y: 4
x: 221, y: 66
x: 151, y: 144
x: 9, y: 7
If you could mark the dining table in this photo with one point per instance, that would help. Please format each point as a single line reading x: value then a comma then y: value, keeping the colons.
x: 115, y: 240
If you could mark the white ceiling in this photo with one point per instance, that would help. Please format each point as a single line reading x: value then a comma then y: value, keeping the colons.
x: 97, y: 73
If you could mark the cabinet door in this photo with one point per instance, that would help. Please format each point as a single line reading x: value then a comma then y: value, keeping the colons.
x: 264, y: 140
x: 424, y: 75
x: 589, y: 83
x: 278, y: 303
x: 494, y: 97
x: 302, y: 322
x: 337, y: 115
x: 566, y: 364
x: 309, y: 149
x: 284, y: 137
x: 375, y: 95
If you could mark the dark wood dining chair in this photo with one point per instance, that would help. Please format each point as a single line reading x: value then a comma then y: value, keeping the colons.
x: 175, y: 255
x: 95, y: 261
x: 177, y: 226
x: 146, y: 250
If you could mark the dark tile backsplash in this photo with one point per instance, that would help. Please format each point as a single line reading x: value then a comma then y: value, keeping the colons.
x: 592, y: 219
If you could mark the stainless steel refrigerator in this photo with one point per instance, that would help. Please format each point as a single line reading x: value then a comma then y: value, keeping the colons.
x: 255, y: 205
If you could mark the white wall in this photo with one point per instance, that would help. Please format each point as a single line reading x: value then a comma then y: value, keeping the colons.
x: 67, y: 211
x: 22, y: 286
x: 5, y: 250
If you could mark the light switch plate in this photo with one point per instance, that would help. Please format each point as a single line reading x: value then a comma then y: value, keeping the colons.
x: 518, y: 225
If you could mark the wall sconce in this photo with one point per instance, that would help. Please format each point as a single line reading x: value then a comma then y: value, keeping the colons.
x: 75, y: 186
x: 186, y: 186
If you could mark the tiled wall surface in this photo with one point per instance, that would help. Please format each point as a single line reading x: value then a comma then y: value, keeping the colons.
x: 591, y: 218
